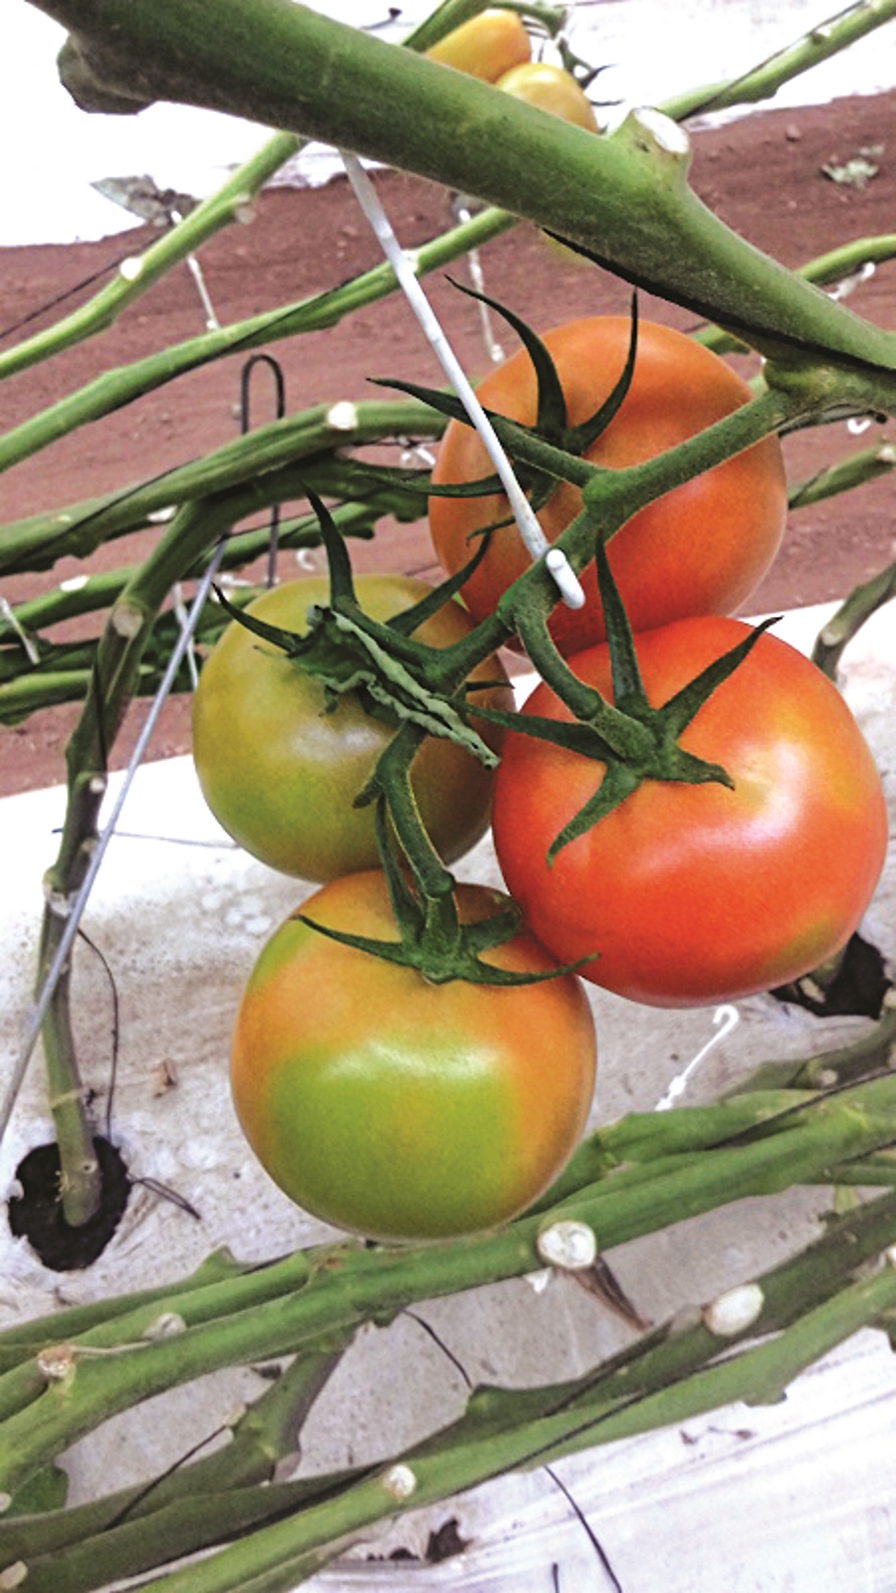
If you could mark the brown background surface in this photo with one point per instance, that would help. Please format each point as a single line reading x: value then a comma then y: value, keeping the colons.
x: 762, y: 174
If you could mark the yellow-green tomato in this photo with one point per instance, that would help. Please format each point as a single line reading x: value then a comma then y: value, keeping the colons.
x: 485, y: 47
x: 395, y: 1107
x: 280, y: 769
x: 552, y: 89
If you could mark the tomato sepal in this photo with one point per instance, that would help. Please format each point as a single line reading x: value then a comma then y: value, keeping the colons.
x: 346, y: 656
x: 550, y: 420
x: 647, y: 747
x: 459, y: 962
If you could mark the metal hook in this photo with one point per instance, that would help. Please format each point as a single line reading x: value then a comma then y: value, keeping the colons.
x: 276, y: 370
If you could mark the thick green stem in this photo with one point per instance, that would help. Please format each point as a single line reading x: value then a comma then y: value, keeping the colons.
x: 80, y: 1179
x: 625, y: 197
x: 850, y: 617
x: 110, y: 692
x: 866, y: 464
x: 829, y: 1068
x: 21, y: 1343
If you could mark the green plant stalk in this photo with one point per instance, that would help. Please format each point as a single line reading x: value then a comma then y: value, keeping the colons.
x: 829, y: 1068
x: 378, y: 1283
x: 80, y: 1179
x: 661, y: 1358
x: 277, y: 1557
x: 187, y: 1524
x: 821, y: 42
x: 39, y: 540
x: 840, y: 629
x: 261, y: 1439
x: 98, y: 591
x: 121, y: 385
x: 111, y: 687
x: 444, y: 19
x: 841, y: 263
x: 22, y: 1342
x: 866, y: 464
x: 229, y: 203
x: 624, y: 196
x: 149, y: 1318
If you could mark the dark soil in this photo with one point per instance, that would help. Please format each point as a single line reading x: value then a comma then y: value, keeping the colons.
x: 762, y: 174
x: 36, y: 1214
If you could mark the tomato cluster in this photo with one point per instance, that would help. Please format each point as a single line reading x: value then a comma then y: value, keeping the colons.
x: 402, y: 1106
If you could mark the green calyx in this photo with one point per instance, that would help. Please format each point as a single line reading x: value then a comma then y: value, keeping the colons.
x: 631, y: 739
x: 347, y: 651
x: 432, y: 938
x: 549, y: 451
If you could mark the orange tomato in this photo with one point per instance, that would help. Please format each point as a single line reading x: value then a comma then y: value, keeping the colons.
x: 399, y: 1108
x: 700, y: 549
x: 551, y: 89
x: 485, y: 47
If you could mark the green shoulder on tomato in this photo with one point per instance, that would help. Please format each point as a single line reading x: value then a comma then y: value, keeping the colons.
x: 398, y: 1108
x: 280, y: 769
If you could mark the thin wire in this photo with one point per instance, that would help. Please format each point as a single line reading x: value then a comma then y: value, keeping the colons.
x: 536, y: 542
x: 592, y: 1535
x: 76, y: 912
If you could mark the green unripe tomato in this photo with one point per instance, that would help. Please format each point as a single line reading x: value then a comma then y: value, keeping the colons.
x: 280, y: 772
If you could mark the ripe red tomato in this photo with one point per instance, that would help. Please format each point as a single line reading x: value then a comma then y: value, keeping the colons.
x: 700, y: 549
x: 395, y: 1107
x: 549, y: 88
x: 485, y: 47
x: 280, y: 773
x: 696, y: 894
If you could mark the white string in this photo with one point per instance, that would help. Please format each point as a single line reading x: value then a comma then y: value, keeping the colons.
x: 725, y: 1020
x: 536, y: 542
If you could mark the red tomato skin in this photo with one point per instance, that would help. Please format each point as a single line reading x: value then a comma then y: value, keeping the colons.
x: 689, y: 895
x: 700, y: 549
x: 397, y: 1108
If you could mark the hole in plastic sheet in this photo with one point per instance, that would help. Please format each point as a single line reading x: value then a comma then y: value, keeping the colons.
x: 36, y: 1214
x: 443, y: 1543
x: 857, y: 988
